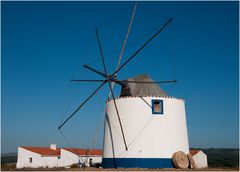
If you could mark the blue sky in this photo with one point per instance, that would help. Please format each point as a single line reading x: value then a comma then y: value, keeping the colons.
x: 44, y: 44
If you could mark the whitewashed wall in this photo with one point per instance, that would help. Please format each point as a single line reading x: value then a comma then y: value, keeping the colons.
x: 38, y: 161
x: 200, y: 160
x: 68, y: 158
x: 147, y: 135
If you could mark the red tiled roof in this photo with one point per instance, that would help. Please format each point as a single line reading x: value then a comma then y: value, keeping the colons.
x: 84, y: 151
x: 43, y: 150
x: 194, y: 152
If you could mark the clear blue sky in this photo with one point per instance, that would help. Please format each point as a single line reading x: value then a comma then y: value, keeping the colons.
x: 44, y: 44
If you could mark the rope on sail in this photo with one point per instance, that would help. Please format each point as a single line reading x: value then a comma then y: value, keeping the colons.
x: 74, y: 149
x: 126, y: 38
x: 112, y: 85
x: 124, y: 44
x: 122, y: 51
x: 173, y: 55
x: 172, y: 48
x: 119, y: 62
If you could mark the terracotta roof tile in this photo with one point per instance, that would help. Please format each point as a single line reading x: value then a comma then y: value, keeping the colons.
x: 194, y: 152
x: 45, y: 151
x: 84, y: 151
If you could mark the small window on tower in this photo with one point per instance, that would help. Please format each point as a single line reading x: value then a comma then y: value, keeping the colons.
x: 157, y: 106
x: 30, y: 160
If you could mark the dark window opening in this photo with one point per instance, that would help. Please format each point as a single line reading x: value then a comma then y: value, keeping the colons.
x: 90, y: 162
x: 30, y: 160
x: 157, y: 106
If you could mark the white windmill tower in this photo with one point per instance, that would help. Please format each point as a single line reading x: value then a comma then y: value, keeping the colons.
x: 154, y: 127
x: 143, y: 127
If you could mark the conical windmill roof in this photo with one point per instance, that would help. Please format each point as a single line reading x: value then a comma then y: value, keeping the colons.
x: 141, y: 89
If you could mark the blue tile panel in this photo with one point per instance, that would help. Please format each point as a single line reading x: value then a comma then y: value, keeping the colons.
x: 137, y: 163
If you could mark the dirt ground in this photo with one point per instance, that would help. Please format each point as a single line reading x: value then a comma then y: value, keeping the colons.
x: 152, y: 170
x: 125, y: 169
x: 12, y: 167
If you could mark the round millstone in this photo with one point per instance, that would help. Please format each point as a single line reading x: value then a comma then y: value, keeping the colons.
x: 180, y: 160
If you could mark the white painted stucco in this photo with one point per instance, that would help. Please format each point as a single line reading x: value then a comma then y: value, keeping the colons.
x: 38, y: 160
x: 200, y: 159
x: 147, y: 135
x: 68, y: 158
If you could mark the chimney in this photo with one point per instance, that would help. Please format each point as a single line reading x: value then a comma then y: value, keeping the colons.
x: 53, y: 146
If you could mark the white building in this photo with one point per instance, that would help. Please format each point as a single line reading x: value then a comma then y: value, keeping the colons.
x: 43, y: 157
x: 83, y: 157
x: 200, y: 158
x: 38, y: 157
x: 153, y: 123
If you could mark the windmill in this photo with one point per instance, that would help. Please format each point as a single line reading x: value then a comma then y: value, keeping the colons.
x: 117, y: 150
